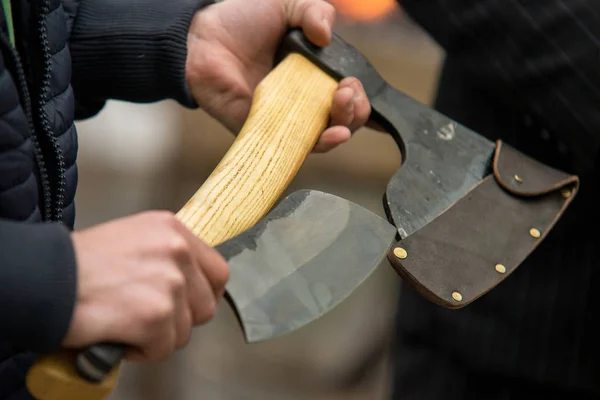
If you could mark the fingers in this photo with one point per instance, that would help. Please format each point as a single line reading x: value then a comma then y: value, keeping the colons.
x: 169, y: 320
x: 343, y: 106
x: 159, y: 347
x: 350, y: 107
x: 207, y: 274
x: 210, y: 262
x: 183, y: 319
x: 158, y: 337
x: 202, y: 298
x: 331, y: 138
x: 350, y: 110
x: 315, y: 17
x: 147, y: 291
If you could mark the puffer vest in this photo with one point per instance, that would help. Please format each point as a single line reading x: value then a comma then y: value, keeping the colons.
x: 38, y: 139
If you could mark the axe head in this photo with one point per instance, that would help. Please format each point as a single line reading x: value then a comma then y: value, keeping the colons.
x: 467, y: 210
x: 304, y: 258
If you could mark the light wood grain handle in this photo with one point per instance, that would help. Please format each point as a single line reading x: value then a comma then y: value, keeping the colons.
x: 290, y: 110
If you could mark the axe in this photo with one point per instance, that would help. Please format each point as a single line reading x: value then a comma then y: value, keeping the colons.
x: 462, y: 212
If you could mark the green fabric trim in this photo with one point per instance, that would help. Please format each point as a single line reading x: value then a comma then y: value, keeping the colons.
x: 8, y: 13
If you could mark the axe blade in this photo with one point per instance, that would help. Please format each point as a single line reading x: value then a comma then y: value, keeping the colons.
x: 300, y: 261
x: 441, y: 159
x: 465, y: 216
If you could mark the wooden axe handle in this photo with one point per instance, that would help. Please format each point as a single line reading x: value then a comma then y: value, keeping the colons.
x: 289, y: 111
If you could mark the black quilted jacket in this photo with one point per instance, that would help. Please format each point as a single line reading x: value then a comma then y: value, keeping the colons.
x: 70, y: 57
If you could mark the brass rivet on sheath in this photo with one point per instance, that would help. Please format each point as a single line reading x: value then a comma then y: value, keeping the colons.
x: 500, y: 268
x: 400, y: 253
x: 535, y: 233
x: 518, y: 179
x: 566, y: 193
x: 457, y: 296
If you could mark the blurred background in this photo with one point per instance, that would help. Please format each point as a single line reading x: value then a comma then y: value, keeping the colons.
x: 140, y: 157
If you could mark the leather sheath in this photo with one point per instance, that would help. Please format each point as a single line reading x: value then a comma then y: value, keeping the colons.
x: 474, y: 245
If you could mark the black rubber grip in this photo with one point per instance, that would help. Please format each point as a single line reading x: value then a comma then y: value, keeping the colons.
x: 97, y: 361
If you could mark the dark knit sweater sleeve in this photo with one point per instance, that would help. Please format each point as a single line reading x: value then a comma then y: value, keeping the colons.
x: 39, y: 285
x: 132, y: 50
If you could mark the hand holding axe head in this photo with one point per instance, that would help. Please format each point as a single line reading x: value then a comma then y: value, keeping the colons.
x: 462, y: 212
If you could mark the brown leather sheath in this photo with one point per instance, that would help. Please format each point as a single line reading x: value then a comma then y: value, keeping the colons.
x: 474, y: 245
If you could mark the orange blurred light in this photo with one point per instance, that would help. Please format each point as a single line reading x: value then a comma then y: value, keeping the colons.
x: 365, y: 10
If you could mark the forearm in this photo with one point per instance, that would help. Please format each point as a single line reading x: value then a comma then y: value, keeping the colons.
x: 541, y: 57
x: 132, y: 50
x: 38, y: 278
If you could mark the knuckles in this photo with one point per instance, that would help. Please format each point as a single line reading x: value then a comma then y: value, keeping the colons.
x: 159, y: 307
x: 159, y: 215
x: 161, y: 347
x: 185, y: 335
x: 177, y: 247
x: 164, y: 310
x: 175, y: 280
x: 221, y: 275
x: 206, y: 312
x: 158, y: 311
x: 165, y: 218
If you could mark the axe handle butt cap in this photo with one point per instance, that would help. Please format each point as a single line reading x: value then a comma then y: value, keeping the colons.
x: 290, y: 110
x: 53, y: 377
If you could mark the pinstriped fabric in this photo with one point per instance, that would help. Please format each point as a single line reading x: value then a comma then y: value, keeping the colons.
x: 540, y: 55
x: 526, y: 72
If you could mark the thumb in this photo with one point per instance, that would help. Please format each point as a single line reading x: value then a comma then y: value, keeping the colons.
x: 314, y: 17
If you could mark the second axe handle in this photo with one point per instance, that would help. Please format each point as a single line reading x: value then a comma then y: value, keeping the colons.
x: 290, y: 110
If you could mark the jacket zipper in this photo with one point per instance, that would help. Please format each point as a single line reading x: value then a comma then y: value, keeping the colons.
x: 26, y: 101
x: 57, y: 179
